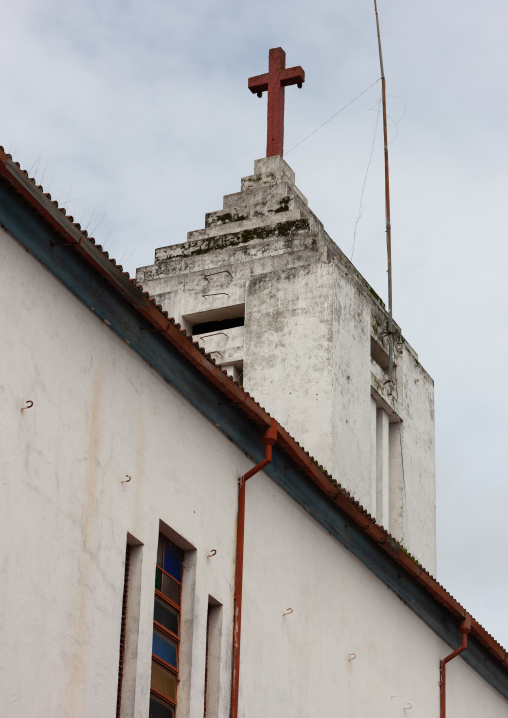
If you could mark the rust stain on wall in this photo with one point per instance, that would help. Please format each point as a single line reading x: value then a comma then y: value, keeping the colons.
x: 84, y: 600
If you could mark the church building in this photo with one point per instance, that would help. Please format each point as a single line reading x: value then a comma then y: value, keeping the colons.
x: 216, y: 501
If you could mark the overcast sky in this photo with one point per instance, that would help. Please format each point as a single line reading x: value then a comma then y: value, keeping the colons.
x: 136, y: 116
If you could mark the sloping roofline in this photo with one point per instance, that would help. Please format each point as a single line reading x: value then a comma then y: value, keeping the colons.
x: 303, y: 478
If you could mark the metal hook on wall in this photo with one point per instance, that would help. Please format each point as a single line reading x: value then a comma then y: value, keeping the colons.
x: 126, y: 480
x: 408, y: 706
x: 212, y: 553
x: 288, y: 611
x: 29, y: 404
x: 351, y: 656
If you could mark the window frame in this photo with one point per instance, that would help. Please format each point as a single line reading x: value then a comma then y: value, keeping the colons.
x: 176, y: 638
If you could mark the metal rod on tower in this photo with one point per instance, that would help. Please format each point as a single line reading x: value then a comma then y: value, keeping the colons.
x: 387, y: 204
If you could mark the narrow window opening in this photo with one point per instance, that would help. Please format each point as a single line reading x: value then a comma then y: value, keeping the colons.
x: 213, y: 658
x: 166, y: 629
x: 382, y: 467
x: 379, y: 355
x: 397, y: 483
x: 218, y: 325
x: 206, y: 660
x: 123, y: 630
x: 215, y: 320
x: 129, y: 629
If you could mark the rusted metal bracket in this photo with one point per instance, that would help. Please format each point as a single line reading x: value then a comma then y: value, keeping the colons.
x: 223, y: 271
x: 215, y: 334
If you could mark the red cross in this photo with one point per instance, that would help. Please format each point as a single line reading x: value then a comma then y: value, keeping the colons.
x: 274, y: 81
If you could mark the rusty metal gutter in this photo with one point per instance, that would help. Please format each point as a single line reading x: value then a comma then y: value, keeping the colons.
x: 269, y: 439
x: 465, y: 629
x: 73, y: 239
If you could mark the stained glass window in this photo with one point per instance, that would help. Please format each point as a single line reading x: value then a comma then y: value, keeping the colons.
x: 166, y: 629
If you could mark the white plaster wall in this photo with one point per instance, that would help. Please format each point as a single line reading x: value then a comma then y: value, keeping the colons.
x: 351, y: 389
x: 350, y: 647
x: 181, y: 285
x: 288, y: 351
x: 468, y: 696
x: 415, y: 519
x: 100, y: 412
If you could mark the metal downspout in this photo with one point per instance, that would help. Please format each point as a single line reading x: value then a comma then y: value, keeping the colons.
x: 465, y: 628
x: 269, y: 439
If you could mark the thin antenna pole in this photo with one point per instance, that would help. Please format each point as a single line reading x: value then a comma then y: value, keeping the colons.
x: 387, y: 204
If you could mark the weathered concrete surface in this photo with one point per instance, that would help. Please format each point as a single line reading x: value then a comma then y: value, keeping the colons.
x: 350, y: 647
x: 314, y: 346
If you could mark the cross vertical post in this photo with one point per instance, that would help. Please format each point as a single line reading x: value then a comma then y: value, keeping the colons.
x: 274, y: 81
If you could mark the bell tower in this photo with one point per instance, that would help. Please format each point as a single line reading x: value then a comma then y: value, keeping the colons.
x: 277, y: 304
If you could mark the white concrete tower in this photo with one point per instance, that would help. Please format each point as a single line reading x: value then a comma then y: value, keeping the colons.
x: 268, y: 293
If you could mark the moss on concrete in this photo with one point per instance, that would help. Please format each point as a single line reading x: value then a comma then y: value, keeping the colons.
x: 283, y: 205
x: 228, y: 217
x: 377, y: 297
x: 222, y: 241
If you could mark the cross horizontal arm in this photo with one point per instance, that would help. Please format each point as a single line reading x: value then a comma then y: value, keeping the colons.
x: 259, y: 83
x: 292, y: 76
